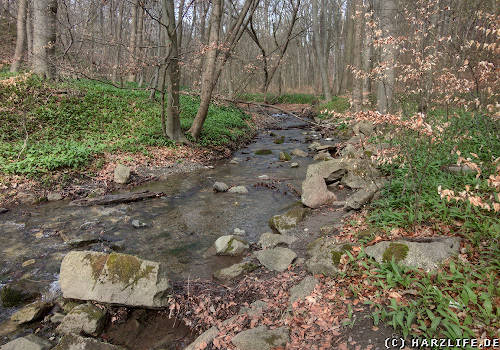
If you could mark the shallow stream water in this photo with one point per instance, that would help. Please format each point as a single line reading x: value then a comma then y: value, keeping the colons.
x: 181, y: 227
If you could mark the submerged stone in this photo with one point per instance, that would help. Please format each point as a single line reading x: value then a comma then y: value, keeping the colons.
x: 238, y: 189
x: 285, y: 157
x: 263, y: 152
x: 220, y: 187
x: 113, y: 278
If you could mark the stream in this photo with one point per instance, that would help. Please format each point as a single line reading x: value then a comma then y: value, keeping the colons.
x: 180, y: 228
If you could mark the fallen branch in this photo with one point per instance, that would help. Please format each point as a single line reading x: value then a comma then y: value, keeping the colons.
x: 116, y: 198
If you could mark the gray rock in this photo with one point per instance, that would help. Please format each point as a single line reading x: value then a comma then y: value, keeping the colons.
x: 271, y: 240
x: 299, y: 153
x: 57, y: 317
x: 360, y: 198
x: 54, y: 196
x: 315, y: 193
x: 31, y: 312
x: 29, y: 342
x: 325, y: 254
x: 325, y: 168
x: 230, y: 245
x: 238, y: 189
x: 294, y: 165
x: 220, y: 187
x: 365, y: 128
x: 324, y: 156
x: 356, y: 180
x: 276, y: 259
x: 235, y: 270
x: 205, y: 338
x: 254, y: 309
x: 303, y: 289
x: 113, y: 278
x: 122, y: 174
x: 313, y: 146
x: 285, y: 222
x: 75, y: 342
x: 460, y: 169
x: 426, y: 255
x: 138, y: 224
x: 85, y: 318
x: 261, y: 338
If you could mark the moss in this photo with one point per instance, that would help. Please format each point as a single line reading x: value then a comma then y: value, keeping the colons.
x: 11, y: 297
x: 249, y: 267
x: 97, y: 262
x: 397, y: 250
x: 279, y: 140
x: 263, y: 152
x: 92, y: 312
x: 229, y: 246
x: 126, y: 269
x: 271, y: 339
x: 337, y: 254
x: 285, y: 157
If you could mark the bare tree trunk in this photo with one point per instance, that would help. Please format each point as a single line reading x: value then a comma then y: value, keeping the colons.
x: 29, y: 33
x: 358, y: 39
x: 367, y: 53
x: 385, y: 86
x: 44, y: 38
x: 172, y: 127
x: 133, y: 42
x: 207, y: 80
x: 319, y: 46
x: 21, y: 34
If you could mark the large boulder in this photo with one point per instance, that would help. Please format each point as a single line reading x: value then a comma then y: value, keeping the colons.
x: 285, y: 222
x: 121, y: 174
x: 86, y: 318
x: 230, y: 245
x: 426, y: 254
x: 325, y: 254
x: 315, y: 192
x: 276, y: 259
x: 325, y: 168
x: 29, y: 342
x: 261, y: 338
x: 113, y: 278
x: 75, y: 342
x: 271, y: 240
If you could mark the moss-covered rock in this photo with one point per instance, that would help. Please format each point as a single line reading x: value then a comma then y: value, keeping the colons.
x: 279, y: 140
x: 285, y: 157
x: 230, y: 245
x: 285, y: 222
x: 263, y: 152
x: 398, y: 251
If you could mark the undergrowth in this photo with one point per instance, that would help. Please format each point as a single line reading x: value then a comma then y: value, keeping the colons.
x: 283, y: 98
x: 47, y: 125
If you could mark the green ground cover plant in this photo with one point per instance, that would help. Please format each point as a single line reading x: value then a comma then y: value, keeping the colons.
x: 52, y: 125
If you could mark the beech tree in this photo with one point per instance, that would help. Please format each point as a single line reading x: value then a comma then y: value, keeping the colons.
x: 44, y: 38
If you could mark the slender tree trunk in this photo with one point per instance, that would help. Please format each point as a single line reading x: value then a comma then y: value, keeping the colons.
x: 21, y: 34
x: 29, y: 33
x: 385, y: 86
x: 367, y: 56
x: 319, y: 43
x: 44, y: 40
x: 173, y: 125
x: 358, y: 39
x: 133, y: 42
x: 207, y: 80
